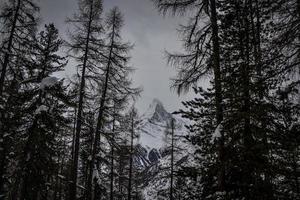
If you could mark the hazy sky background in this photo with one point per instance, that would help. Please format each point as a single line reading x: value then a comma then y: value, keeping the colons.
x: 151, y: 34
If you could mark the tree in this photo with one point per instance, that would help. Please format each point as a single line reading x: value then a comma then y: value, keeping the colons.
x: 133, y: 121
x: 286, y: 41
x: 172, y: 160
x: 115, y: 142
x: 287, y: 151
x: 202, y: 46
x: 251, y: 66
x: 115, y: 72
x: 18, y: 24
x: 85, y: 43
x: 46, y: 102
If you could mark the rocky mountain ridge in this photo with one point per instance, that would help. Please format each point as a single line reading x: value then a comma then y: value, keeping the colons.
x: 152, y: 142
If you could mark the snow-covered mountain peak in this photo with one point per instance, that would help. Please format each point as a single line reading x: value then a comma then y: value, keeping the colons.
x: 152, y: 152
x: 156, y: 112
x: 152, y: 131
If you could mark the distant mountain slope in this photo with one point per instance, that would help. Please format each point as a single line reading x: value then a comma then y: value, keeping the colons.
x: 152, y: 156
x: 152, y: 133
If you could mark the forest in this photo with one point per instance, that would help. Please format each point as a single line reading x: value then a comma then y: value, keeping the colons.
x: 81, y: 137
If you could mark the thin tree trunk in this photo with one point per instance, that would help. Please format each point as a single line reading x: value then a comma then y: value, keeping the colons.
x: 295, y: 170
x: 24, y: 194
x: 296, y: 174
x: 60, y: 181
x: 57, y: 178
x: 89, y: 169
x: 131, y: 159
x: 256, y: 28
x: 172, y: 160
x: 120, y: 177
x: 73, y: 134
x: 101, y: 111
x: 73, y: 185
x: 9, y: 47
x: 2, y: 79
x: 112, y: 163
x: 2, y: 159
x: 298, y: 10
x: 247, y: 133
x: 246, y: 86
x: 218, y: 91
x: 136, y: 190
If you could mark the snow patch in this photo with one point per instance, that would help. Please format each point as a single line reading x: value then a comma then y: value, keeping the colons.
x: 41, y: 109
x: 89, y: 158
x: 217, y: 134
x: 48, y: 82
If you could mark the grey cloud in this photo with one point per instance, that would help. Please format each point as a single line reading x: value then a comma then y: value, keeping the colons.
x: 151, y: 34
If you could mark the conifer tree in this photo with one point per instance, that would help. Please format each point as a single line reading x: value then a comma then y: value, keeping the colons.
x: 49, y: 102
x: 115, y: 72
x: 19, y: 23
x: 287, y: 151
x: 202, y: 45
x: 133, y: 122
x: 115, y: 141
x: 172, y: 161
x: 85, y: 44
x: 18, y: 20
x: 44, y: 101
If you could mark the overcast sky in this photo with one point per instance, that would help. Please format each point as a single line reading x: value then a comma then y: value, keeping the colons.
x: 151, y: 34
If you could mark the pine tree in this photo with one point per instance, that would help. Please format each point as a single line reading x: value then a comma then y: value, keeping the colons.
x: 133, y: 122
x: 48, y: 103
x: 286, y: 99
x: 19, y: 18
x: 248, y: 59
x: 287, y: 140
x: 116, y: 139
x: 85, y: 44
x: 115, y: 72
x: 126, y: 172
x: 172, y: 161
x: 18, y: 24
x: 202, y: 46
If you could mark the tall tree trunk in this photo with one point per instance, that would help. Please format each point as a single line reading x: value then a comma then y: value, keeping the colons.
x: 24, y: 193
x: 256, y: 29
x: 101, y: 111
x: 9, y: 47
x: 56, y: 188
x: 112, y: 163
x: 73, y: 134
x: 172, y: 160
x: 295, y: 168
x: 296, y: 165
x: 246, y: 111
x: 218, y: 90
x: 2, y: 81
x: 298, y: 11
x: 120, y: 177
x: 131, y: 160
x: 3, y: 152
x: 73, y: 184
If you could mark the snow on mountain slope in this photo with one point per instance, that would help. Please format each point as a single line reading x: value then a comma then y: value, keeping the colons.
x: 153, y: 152
x: 153, y: 126
x: 152, y: 138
